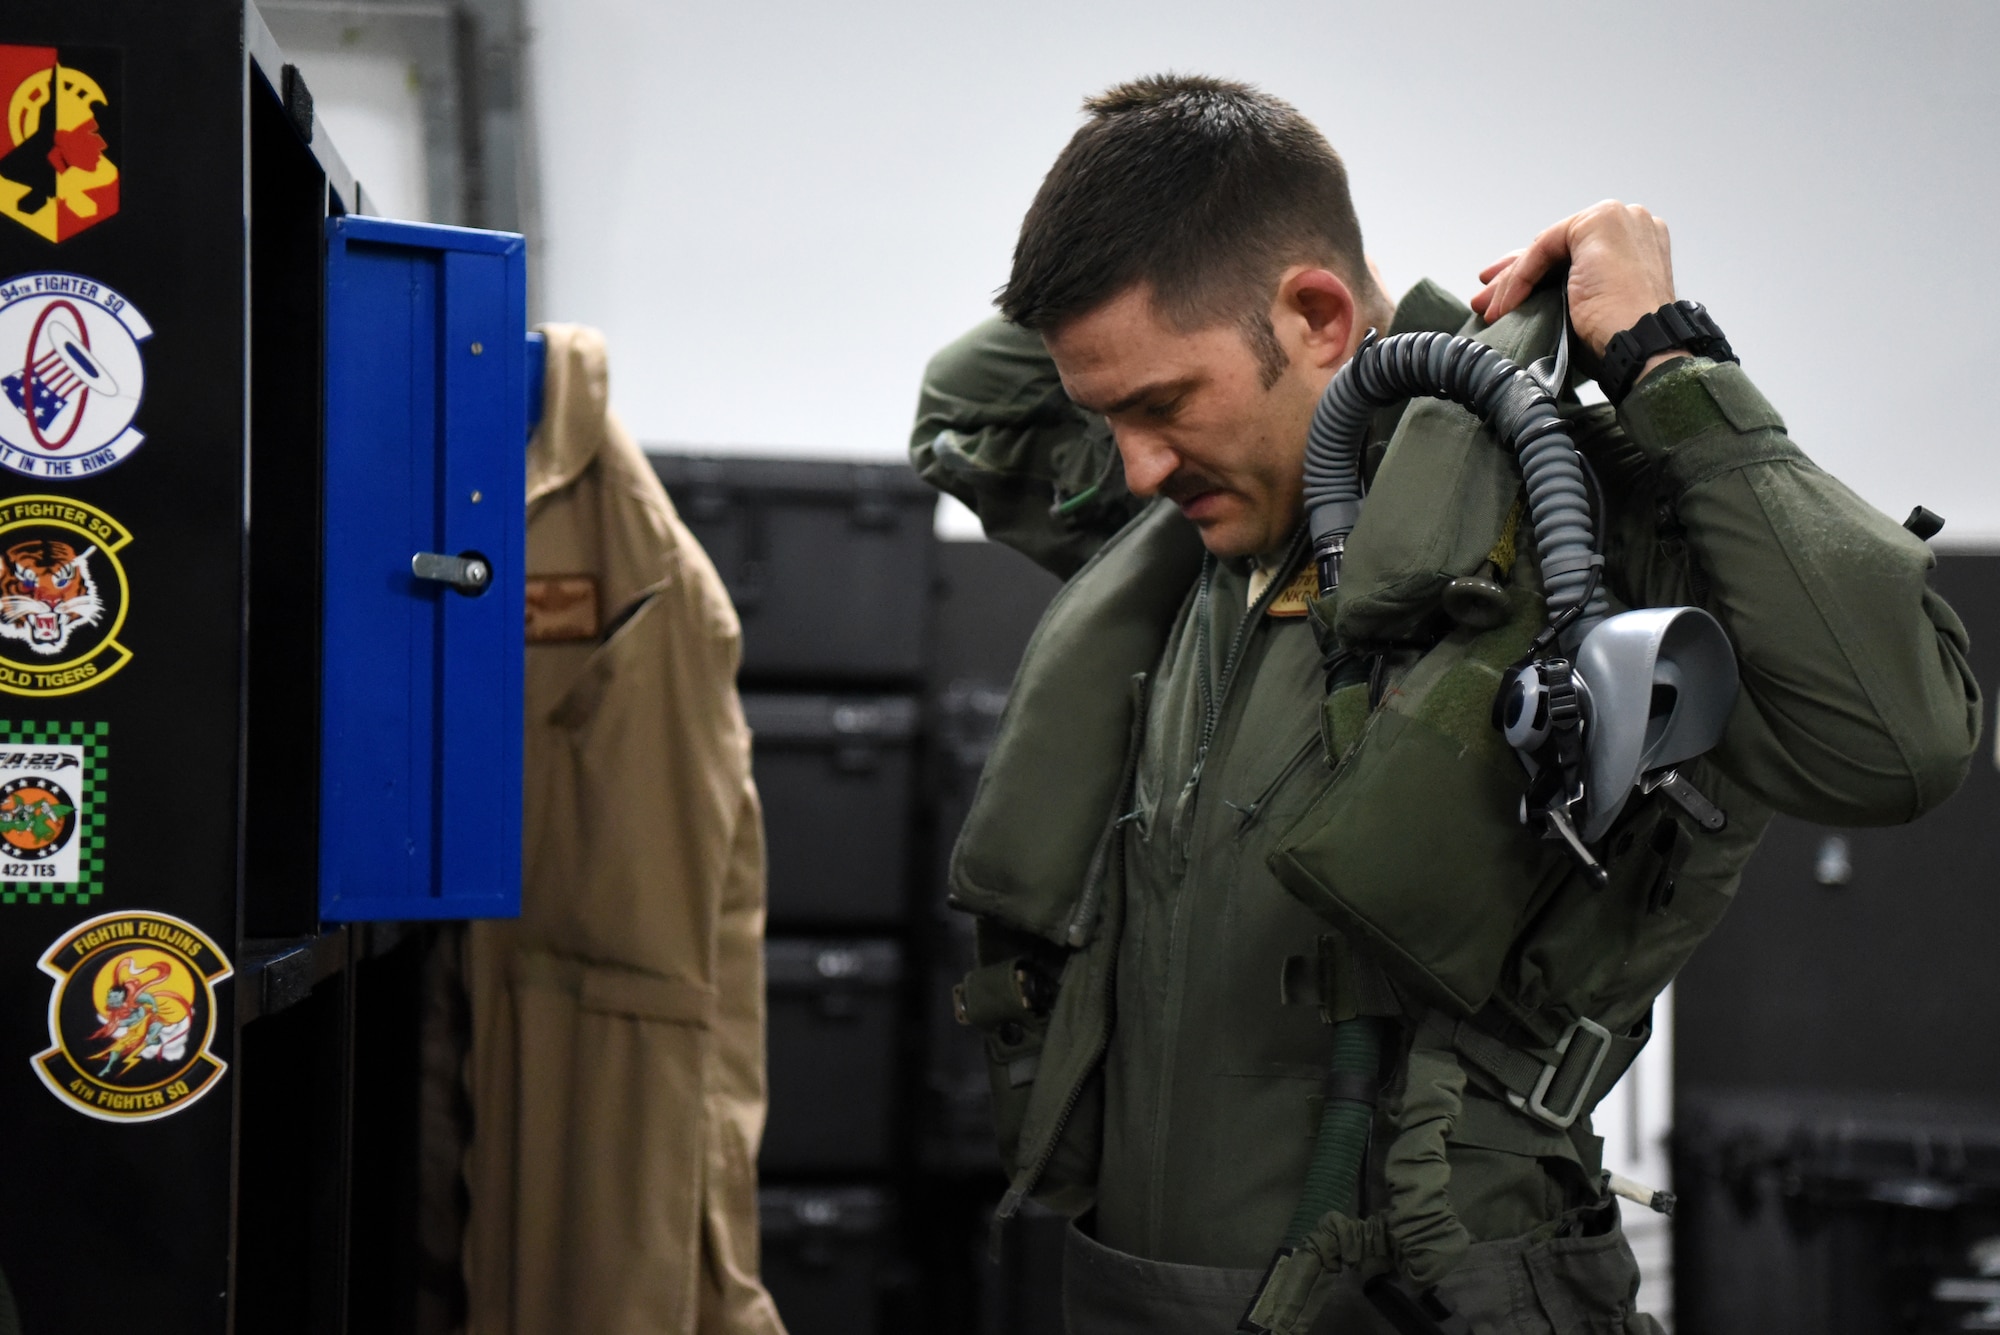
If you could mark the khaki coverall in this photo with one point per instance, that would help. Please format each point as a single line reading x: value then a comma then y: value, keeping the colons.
x: 617, y: 1065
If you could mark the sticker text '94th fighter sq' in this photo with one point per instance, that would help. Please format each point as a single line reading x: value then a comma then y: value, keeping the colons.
x: 63, y: 595
x: 131, y: 1016
x: 71, y: 375
x: 59, y: 143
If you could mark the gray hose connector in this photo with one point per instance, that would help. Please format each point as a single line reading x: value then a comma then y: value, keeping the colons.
x: 1508, y: 400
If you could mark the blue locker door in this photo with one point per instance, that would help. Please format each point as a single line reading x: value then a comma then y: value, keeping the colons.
x: 421, y: 706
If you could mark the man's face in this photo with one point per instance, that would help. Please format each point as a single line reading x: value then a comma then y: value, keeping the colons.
x: 1193, y: 418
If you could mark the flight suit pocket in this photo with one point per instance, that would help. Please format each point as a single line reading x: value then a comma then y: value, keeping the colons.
x: 1584, y: 1282
x: 1013, y: 1059
x: 1588, y: 1285
x: 580, y: 703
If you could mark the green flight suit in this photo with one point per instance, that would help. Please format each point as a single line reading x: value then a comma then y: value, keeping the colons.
x: 1173, y: 1088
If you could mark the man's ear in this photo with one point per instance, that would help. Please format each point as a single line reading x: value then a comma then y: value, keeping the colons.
x: 1315, y: 312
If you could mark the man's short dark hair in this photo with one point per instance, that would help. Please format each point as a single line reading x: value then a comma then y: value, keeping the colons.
x: 1204, y: 189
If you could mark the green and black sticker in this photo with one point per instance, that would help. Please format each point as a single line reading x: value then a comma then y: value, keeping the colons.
x: 52, y: 796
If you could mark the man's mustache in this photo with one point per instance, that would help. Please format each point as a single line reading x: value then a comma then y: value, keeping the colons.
x: 1186, y: 484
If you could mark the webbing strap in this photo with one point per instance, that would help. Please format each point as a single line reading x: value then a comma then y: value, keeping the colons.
x: 1353, y: 1086
x: 1553, y: 1086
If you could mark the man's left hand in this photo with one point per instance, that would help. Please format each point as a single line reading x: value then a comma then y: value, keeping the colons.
x: 1620, y: 268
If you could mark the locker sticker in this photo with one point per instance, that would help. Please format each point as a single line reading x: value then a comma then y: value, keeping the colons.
x: 63, y: 596
x: 58, y: 159
x: 131, y: 1016
x: 52, y: 807
x: 72, y: 375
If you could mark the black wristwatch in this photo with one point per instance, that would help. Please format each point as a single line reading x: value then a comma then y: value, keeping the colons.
x: 1678, y: 324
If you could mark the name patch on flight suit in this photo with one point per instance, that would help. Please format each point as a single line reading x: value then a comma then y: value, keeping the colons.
x: 562, y: 609
x: 1291, y: 601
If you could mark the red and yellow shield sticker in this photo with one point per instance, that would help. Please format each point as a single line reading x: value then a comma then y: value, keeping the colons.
x: 131, y: 1016
x: 59, y: 140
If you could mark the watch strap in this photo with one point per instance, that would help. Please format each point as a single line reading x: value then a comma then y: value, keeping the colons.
x: 1678, y: 324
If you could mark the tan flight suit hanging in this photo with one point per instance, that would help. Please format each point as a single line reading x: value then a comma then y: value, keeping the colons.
x: 617, y: 1065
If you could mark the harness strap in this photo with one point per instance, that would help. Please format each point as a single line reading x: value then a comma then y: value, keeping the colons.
x: 1553, y: 1086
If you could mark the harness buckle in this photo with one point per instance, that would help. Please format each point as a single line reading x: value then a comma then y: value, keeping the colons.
x: 1535, y: 1103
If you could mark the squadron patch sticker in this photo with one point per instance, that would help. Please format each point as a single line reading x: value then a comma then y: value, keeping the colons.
x: 52, y: 804
x: 59, y: 144
x: 71, y: 373
x: 132, y: 1016
x: 63, y: 595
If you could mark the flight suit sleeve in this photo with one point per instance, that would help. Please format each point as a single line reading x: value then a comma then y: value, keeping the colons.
x: 1858, y: 705
x: 995, y: 430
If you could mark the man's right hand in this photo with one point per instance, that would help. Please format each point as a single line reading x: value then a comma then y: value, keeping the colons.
x: 1620, y: 269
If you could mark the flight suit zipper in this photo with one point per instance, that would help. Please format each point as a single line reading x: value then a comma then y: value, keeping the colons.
x: 1112, y: 846
x: 1249, y: 812
x: 1212, y: 700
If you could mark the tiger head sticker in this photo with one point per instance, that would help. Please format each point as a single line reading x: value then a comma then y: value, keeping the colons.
x: 63, y: 595
x: 46, y: 593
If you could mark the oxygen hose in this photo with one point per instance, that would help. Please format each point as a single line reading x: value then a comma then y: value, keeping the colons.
x: 1333, y: 1179
x: 1520, y: 409
x: 1507, y: 398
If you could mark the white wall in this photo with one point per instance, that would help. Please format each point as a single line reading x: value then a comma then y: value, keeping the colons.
x: 369, y: 105
x: 777, y: 210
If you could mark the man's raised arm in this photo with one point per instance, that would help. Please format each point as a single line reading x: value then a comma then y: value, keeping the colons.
x: 1858, y: 704
x: 995, y: 430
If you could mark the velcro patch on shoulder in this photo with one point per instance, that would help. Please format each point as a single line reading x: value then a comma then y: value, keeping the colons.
x: 1291, y: 600
x: 562, y: 609
x: 1740, y: 402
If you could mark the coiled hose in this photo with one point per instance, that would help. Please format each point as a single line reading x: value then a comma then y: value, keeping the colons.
x: 1333, y: 1179
x: 1510, y: 401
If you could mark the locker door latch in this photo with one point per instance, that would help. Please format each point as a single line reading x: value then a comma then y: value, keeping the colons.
x: 467, y: 574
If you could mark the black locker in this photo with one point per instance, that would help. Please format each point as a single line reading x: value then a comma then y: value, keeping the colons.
x: 191, y: 1076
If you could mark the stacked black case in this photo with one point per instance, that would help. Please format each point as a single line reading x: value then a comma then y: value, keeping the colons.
x: 875, y: 664
x: 1837, y: 1097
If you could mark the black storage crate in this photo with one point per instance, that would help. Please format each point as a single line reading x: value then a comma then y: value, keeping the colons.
x: 1862, y: 960
x: 830, y: 564
x: 835, y: 773
x: 1836, y: 1215
x: 832, y: 1045
x: 830, y: 1258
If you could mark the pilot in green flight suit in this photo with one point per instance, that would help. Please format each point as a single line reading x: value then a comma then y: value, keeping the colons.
x: 1156, y: 978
